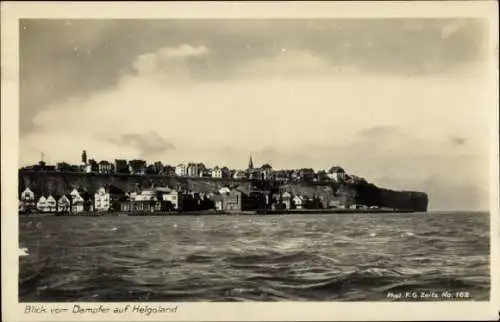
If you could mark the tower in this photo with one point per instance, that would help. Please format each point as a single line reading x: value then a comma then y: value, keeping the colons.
x: 250, y: 163
x: 84, y: 157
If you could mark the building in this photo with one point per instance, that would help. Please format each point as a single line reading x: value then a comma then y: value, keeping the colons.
x: 237, y: 200
x: 232, y: 201
x: 306, y: 174
x: 281, y: 175
x: 217, y: 172
x: 286, y: 200
x: 267, y: 172
x: 226, y: 173
x: 137, y: 167
x: 106, y: 199
x: 171, y: 196
x: 41, y: 204
x: 51, y: 204
x: 145, y: 201
x: 92, y: 166
x: 203, y: 171
x: 181, y: 170
x: 77, y: 201
x: 217, y: 199
x: 63, y: 204
x: 169, y: 170
x: 250, y: 163
x: 102, y: 200
x: 63, y: 167
x: 255, y: 174
x: 27, y: 200
x: 303, y: 202
x: 336, y: 173
x: 321, y: 176
x: 121, y: 166
x: 238, y: 175
x: 282, y: 200
x: 159, y: 168
x: 193, y: 170
x: 206, y: 173
x: 105, y: 167
x: 298, y: 202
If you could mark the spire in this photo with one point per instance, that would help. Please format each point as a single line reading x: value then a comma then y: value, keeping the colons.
x: 250, y: 163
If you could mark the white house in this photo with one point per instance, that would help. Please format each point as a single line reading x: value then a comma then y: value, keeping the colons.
x: 27, y: 200
x: 216, y: 172
x: 41, y: 205
x: 63, y: 204
x: 102, y: 200
x: 144, y: 195
x: 220, y: 172
x: 298, y: 201
x: 27, y: 195
x: 181, y: 170
x: 51, y: 204
x: 286, y: 199
x: 77, y: 202
x: 239, y: 175
x: 174, y: 197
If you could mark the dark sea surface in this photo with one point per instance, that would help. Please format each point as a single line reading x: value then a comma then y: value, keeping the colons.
x: 334, y: 257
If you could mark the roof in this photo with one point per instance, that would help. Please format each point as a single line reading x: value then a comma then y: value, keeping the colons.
x: 163, y: 189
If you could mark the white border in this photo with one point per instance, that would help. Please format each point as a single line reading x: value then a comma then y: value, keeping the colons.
x: 283, y: 311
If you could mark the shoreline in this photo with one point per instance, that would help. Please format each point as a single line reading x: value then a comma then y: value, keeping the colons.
x: 259, y: 212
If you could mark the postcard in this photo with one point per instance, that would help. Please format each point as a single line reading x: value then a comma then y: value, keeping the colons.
x: 250, y: 161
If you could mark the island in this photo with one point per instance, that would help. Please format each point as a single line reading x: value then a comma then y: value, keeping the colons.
x: 136, y: 188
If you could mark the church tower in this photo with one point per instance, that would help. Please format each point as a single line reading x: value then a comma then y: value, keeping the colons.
x: 250, y: 163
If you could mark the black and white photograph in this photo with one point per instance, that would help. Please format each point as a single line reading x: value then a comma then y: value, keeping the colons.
x: 258, y: 159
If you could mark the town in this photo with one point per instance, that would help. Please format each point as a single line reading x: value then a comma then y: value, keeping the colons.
x: 236, y: 197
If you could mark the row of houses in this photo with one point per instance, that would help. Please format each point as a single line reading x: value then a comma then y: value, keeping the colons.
x: 197, y: 169
x: 334, y: 174
x: 104, y: 199
x: 164, y: 199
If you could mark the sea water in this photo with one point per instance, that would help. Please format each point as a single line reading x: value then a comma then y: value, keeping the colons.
x: 328, y: 257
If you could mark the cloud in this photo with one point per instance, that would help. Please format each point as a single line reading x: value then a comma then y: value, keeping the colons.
x: 147, y: 144
x: 292, y: 108
x: 167, y: 59
x: 294, y: 63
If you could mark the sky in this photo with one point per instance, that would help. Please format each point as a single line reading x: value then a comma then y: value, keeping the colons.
x: 400, y: 102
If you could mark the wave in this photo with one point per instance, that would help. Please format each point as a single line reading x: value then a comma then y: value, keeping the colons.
x: 328, y: 258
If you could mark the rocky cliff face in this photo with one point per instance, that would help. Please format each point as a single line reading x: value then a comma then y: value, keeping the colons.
x: 58, y: 183
x: 369, y: 194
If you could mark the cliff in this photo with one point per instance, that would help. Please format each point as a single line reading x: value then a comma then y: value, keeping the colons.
x: 58, y: 183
